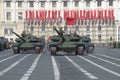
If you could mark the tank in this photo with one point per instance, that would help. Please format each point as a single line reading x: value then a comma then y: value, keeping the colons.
x: 89, y: 47
x: 27, y: 42
x: 3, y: 43
x: 67, y: 43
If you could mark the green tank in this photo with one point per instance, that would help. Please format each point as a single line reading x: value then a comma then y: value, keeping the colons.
x: 66, y: 42
x: 89, y: 47
x: 27, y: 42
x: 3, y: 43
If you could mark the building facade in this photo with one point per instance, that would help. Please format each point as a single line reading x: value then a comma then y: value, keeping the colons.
x: 0, y: 21
x: 97, y: 18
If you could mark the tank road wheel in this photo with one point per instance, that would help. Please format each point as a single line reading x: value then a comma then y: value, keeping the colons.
x: 80, y: 50
x: 90, y: 49
x: 53, y: 50
x: 37, y: 49
x: 16, y: 50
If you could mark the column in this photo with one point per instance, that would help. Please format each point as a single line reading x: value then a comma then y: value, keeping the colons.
x: 94, y: 3
x: 3, y: 12
x: 13, y: 16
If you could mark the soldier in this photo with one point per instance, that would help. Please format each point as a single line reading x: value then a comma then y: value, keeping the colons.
x: 61, y: 31
x: 23, y: 34
x: 74, y: 33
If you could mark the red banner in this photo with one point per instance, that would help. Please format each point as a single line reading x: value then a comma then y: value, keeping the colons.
x: 105, y: 14
x: 76, y: 14
x: 109, y: 15
x: 70, y: 21
x: 65, y: 15
x: 94, y: 14
x: 80, y: 14
x: 101, y: 16
x: 91, y: 14
x: 58, y: 14
x: 30, y: 15
x: 49, y: 15
x: 84, y: 14
x: 26, y: 15
x: 37, y: 16
x: 43, y: 15
x: 113, y: 15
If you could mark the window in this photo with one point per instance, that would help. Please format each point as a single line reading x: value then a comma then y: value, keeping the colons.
x: 65, y: 3
x: 65, y: 28
x: 99, y: 3
x: 8, y: 15
x: 76, y: 3
x: 43, y: 28
x: 38, y: 22
x: 99, y: 37
x: 42, y: 4
x: 31, y: 28
x: 99, y: 27
x: 20, y: 16
x: 43, y: 25
x: 87, y: 3
x: 87, y: 28
x: 110, y: 2
x: 11, y: 30
x: 77, y: 28
x: 8, y: 4
x: 8, y: 31
x: 19, y: 3
x: 54, y: 4
x: 31, y: 4
x: 54, y: 28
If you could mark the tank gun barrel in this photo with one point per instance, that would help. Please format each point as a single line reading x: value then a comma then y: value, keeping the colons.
x: 59, y: 34
x: 19, y: 36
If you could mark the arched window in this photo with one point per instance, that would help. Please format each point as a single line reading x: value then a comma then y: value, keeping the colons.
x: 38, y: 22
x: 35, y: 22
x: 87, y: 28
x: 82, y: 22
x: 43, y: 28
x: 102, y: 22
x: 113, y: 22
x: 99, y: 2
x: 99, y: 37
x: 109, y: 22
x: 110, y: 2
x: 65, y: 28
x: 29, y: 22
x: 99, y: 27
x: 99, y: 22
x: 54, y: 28
x: 87, y: 3
x: 92, y: 22
x: 77, y: 28
x: 31, y: 28
x: 43, y: 25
